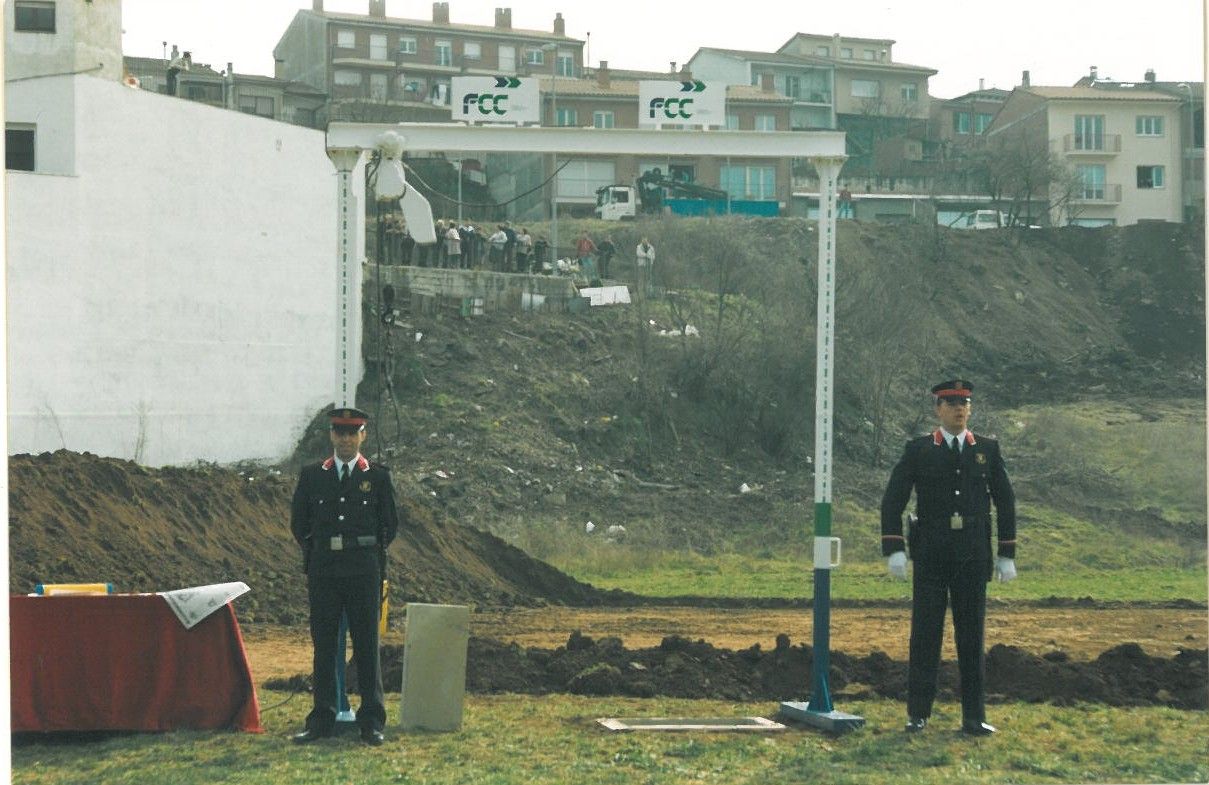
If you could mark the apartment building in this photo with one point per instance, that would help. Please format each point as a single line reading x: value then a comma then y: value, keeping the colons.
x: 959, y: 124
x: 1123, y: 148
x: 808, y: 82
x: 1191, y: 130
x: 847, y: 84
x: 377, y: 68
x: 265, y: 96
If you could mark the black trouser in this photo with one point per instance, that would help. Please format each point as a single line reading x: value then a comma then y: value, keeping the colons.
x: 360, y: 597
x: 934, y: 583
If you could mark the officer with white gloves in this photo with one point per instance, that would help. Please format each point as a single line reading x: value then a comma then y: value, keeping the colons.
x: 956, y: 476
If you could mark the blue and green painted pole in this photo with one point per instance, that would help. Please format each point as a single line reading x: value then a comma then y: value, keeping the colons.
x: 819, y: 711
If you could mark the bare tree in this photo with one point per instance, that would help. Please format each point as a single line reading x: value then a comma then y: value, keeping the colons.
x: 1020, y: 173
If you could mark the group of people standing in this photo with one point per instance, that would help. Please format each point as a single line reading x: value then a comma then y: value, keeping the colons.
x: 465, y: 246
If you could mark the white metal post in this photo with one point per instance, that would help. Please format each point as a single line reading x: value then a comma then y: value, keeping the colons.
x: 348, y: 315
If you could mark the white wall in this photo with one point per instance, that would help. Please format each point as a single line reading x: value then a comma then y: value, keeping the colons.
x: 87, y: 38
x: 177, y: 288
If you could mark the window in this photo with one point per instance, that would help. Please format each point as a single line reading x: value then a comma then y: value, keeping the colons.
x: 262, y: 105
x: 444, y: 50
x: 846, y: 52
x: 1150, y: 177
x: 407, y: 46
x: 732, y: 122
x: 682, y: 173
x: 823, y: 51
x: 507, y: 59
x: 566, y: 117
x: 19, y: 147
x: 1149, y: 125
x: 865, y: 88
x: 33, y: 17
x: 1089, y: 132
x: 204, y: 92
x: 602, y: 120
x: 566, y: 64
x: 304, y: 117
x: 472, y: 50
x: 868, y: 54
x: 750, y: 182
x: 377, y: 87
x: 961, y: 122
x: 793, y: 86
x: 346, y: 77
x: 982, y: 121
x: 766, y: 122
x: 377, y: 47
x: 910, y: 91
x: 1092, y: 178
x: 346, y: 39
x: 535, y: 57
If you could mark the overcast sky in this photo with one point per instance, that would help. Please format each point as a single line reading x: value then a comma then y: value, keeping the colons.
x: 1055, y: 40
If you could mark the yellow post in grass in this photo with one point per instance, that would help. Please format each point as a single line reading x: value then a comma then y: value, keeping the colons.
x: 385, y: 606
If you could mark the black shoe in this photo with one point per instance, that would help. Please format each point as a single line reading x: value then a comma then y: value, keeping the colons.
x: 372, y: 737
x: 309, y: 735
x: 916, y: 724
x: 977, y: 729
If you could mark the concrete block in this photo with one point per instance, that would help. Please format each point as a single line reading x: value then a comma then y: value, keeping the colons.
x: 434, y: 666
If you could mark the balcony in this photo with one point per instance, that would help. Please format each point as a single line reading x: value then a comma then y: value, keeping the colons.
x: 1091, y: 144
x: 1108, y: 193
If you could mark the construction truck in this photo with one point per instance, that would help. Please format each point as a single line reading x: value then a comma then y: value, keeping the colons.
x: 656, y: 194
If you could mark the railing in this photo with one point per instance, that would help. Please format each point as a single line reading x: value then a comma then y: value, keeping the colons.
x: 1092, y: 144
x: 1105, y: 193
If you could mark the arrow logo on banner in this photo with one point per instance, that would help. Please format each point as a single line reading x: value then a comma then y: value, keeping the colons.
x: 694, y: 86
x: 507, y: 81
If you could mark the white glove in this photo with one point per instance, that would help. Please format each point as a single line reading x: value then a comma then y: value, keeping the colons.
x: 898, y: 565
x: 1005, y: 569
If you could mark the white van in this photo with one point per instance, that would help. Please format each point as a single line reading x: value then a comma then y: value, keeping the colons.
x: 985, y: 219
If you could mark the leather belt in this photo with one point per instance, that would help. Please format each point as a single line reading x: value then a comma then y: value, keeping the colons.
x: 349, y: 542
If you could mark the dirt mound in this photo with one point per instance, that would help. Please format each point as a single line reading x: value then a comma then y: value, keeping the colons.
x: 680, y: 668
x: 78, y: 517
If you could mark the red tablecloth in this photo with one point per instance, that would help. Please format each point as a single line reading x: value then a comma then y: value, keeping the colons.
x: 124, y: 662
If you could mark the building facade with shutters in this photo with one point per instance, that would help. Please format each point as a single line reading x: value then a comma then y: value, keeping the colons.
x: 1122, y: 150
x: 376, y: 68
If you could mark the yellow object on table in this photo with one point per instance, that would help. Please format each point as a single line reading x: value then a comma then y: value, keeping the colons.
x: 48, y: 589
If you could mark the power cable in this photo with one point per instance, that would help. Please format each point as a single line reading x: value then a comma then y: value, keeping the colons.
x: 452, y: 200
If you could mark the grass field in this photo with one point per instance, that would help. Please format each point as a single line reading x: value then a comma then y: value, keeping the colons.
x: 736, y: 575
x: 528, y: 741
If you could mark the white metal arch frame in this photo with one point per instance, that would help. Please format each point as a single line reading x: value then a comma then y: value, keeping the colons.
x: 824, y: 149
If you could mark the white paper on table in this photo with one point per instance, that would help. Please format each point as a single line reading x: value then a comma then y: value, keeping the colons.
x: 196, y: 603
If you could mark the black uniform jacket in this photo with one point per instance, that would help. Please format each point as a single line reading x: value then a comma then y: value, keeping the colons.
x: 324, y: 508
x: 946, y: 486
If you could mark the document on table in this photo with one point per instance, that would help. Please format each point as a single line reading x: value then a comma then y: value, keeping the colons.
x: 196, y: 603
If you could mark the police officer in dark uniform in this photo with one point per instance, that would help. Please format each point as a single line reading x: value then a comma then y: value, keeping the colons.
x: 956, y: 476
x: 343, y: 516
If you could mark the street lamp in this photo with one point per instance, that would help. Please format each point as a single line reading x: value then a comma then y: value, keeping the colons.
x: 553, y: 49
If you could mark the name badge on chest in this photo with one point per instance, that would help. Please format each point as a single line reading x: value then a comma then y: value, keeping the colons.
x: 955, y: 521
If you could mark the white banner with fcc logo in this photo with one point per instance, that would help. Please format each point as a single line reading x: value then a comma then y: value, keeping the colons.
x: 495, y: 99
x: 681, y: 103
